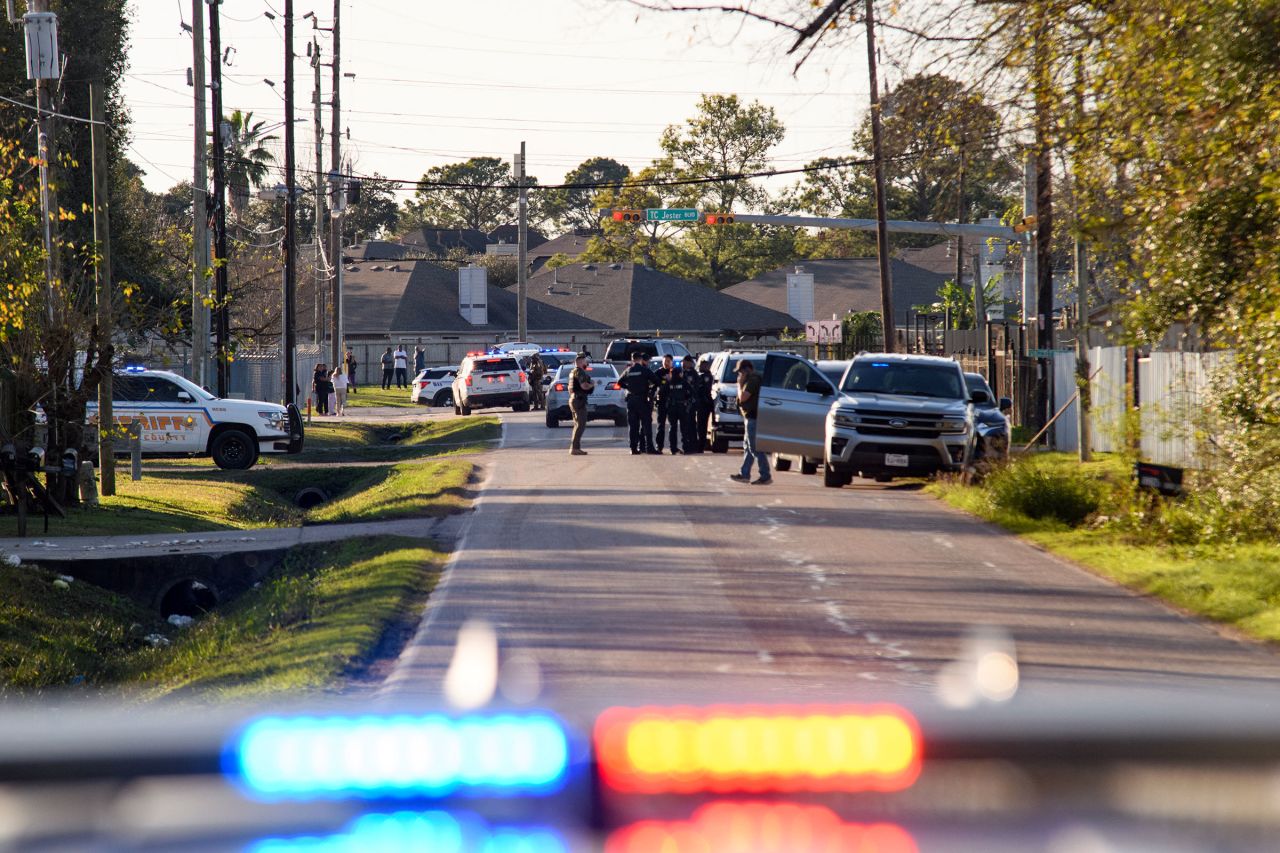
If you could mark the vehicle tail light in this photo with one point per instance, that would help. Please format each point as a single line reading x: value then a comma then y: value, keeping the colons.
x: 615, y: 387
x: 468, y: 381
x: 560, y: 386
x: 760, y: 828
x: 422, y: 385
x: 523, y: 378
x: 758, y: 748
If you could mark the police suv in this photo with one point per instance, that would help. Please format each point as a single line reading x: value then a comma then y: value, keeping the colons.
x: 433, y: 386
x: 179, y: 418
x: 486, y: 380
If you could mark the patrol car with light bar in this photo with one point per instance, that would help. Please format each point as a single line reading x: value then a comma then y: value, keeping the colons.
x: 487, y: 380
x: 179, y: 418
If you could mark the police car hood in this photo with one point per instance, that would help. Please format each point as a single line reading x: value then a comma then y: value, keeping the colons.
x: 904, y: 403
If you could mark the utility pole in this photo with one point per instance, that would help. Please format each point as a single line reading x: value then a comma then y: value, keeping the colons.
x: 960, y: 239
x: 222, y: 324
x: 200, y: 210
x: 335, y: 160
x: 43, y: 66
x: 102, y: 288
x: 522, y: 273
x: 287, y: 339
x: 318, y: 231
x: 1082, y: 348
x: 877, y: 154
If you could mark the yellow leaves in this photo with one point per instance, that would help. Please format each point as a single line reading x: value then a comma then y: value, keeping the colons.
x: 65, y: 215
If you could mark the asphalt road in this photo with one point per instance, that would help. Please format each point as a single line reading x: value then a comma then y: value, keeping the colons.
x: 644, y: 578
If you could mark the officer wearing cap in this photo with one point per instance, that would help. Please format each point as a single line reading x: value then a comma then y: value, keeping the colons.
x: 704, y: 402
x: 679, y: 410
x: 664, y: 389
x: 749, y: 406
x: 647, y: 423
x: 580, y: 386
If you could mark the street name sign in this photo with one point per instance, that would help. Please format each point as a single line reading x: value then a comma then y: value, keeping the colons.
x: 671, y: 214
x: 1047, y: 353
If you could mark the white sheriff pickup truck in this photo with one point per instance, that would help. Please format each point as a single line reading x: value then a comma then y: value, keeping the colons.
x: 179, y: 418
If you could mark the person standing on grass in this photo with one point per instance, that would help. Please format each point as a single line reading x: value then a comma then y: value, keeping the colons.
x: 749, y: 406
x: 419, y: 360
x: 352, y: 364
x: 388, y: 367
x: 320, y: 388
x: 339, y: 381
x: 402, y: 367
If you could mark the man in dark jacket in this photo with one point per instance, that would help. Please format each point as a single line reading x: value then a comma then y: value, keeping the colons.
x: 700, y: 411
x: 664, y: 379
x: 639, y: 382
x: 680, y: 410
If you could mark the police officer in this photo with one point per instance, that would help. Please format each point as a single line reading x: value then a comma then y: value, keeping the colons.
x: 537, y: 370
x: 580, y: 385
x: 704, y: 403
x: 647, y: 423
x: 638, y: 381
x: 664, y: 386
x: 680, y: 410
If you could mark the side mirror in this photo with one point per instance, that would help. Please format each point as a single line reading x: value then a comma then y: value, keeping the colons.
x: 184, y: 397
x: 816, y: 387
x: 1006, y: 405
x: 980, y: 397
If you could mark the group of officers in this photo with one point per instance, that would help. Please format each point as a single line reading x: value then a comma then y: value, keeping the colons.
x: 681, y: 395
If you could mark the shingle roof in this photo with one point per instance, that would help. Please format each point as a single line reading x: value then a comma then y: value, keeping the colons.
x: 572, y: 244
x: 510, y: 233
x: 381, y: 250
x: 421, y: 296
x: 844, y: 285
x: 941, y: 258
x: 438, y: 241
x: 633, y: 297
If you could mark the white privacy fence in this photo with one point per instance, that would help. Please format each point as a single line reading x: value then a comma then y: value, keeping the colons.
x: 1170, y: 391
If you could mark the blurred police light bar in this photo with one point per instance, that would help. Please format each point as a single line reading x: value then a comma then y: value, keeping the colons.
x: 760, y: 828
x: 401, y: 756
x: 436, y: 831
x: 758, y: 748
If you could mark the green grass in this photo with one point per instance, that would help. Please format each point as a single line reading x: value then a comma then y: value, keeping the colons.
x: 317, y: 619
x: 51, y: 637
x: 330, y: 440
x: 407, y: 490
x: 371, y: 396
x: 1237, y: 585
x: 320, y: 616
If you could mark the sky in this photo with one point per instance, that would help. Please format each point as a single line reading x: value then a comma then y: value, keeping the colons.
x: 439, y: 81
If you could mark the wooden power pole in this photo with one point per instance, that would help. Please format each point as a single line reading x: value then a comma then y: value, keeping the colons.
x: 882, y: 215
x: 102, y: 289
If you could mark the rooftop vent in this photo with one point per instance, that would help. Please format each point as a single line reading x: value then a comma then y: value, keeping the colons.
x: 394, y: 268
x: 353, y: 268
x: 376, y: 267
x: 615, y: 266
x: 588, y: 266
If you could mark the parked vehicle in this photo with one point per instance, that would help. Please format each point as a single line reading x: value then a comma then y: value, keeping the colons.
x: 620, y: 350
x: 891, y: 416
x: 485, y: 381
x: 606, y: 403
x: 434, y: 386
x: 992, y: 422
x: 179, y: 418
x: 834, y: 371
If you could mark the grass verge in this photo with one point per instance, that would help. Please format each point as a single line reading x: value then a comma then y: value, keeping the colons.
x: 321, y: 616
x: 1234, y: 584
x: 374, y: 396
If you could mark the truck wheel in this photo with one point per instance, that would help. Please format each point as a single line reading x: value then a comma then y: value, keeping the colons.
x: 808, y: 467
x: 444, y: 398
x: 780, y: 464
x: 552, y: 423
x: 831, y: 478
x: 720, y: 444
x: 234, y: 450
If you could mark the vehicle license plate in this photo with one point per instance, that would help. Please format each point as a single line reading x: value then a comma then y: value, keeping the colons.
x: 897, y: 460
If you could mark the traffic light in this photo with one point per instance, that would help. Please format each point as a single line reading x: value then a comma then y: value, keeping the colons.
x: 719, y: 218
x: 628, y: 216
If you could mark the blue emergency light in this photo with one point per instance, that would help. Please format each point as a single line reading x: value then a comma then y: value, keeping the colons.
x: 374, y: 757
x: 437, y: 831
x: 134, y: 368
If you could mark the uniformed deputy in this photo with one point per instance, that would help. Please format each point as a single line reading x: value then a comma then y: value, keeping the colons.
x: 680, y: 411
x: 580, y: 386
x: 647, y: 424
x: 664, y: 379
x: 537, y: 394
x: 704, y: 402
x: 638, y: 381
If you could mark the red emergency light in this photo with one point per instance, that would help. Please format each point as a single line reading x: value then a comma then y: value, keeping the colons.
x: 758, y: 748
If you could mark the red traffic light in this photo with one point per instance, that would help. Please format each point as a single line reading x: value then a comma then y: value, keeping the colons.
x: 719, y: 218
x: 628, y: 215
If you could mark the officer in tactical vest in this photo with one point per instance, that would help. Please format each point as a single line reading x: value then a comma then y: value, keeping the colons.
x: 704, y: 403
x: 580, y: 386
x: 680, y: 410
x: 639, y: 382
x: 664, y: 383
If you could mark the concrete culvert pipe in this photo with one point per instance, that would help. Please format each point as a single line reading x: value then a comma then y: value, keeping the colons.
x: 310, y: 497
x: 188, y: 597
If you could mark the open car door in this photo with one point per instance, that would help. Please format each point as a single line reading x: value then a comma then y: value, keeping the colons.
x: 794, y: 400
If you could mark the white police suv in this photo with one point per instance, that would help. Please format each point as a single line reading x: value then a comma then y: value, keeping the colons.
x: 179, y: 418
x: 486, y: 380
x: 433, y: 386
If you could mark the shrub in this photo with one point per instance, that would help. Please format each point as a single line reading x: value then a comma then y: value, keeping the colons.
x: 1026, y: 488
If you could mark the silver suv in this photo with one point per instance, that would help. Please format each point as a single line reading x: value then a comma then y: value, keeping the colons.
x: 891, y: 416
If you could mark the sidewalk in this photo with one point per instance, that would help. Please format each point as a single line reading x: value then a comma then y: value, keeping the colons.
x: 33, y: 548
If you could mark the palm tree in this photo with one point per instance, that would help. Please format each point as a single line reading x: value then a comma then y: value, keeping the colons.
x: 247, y: 158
